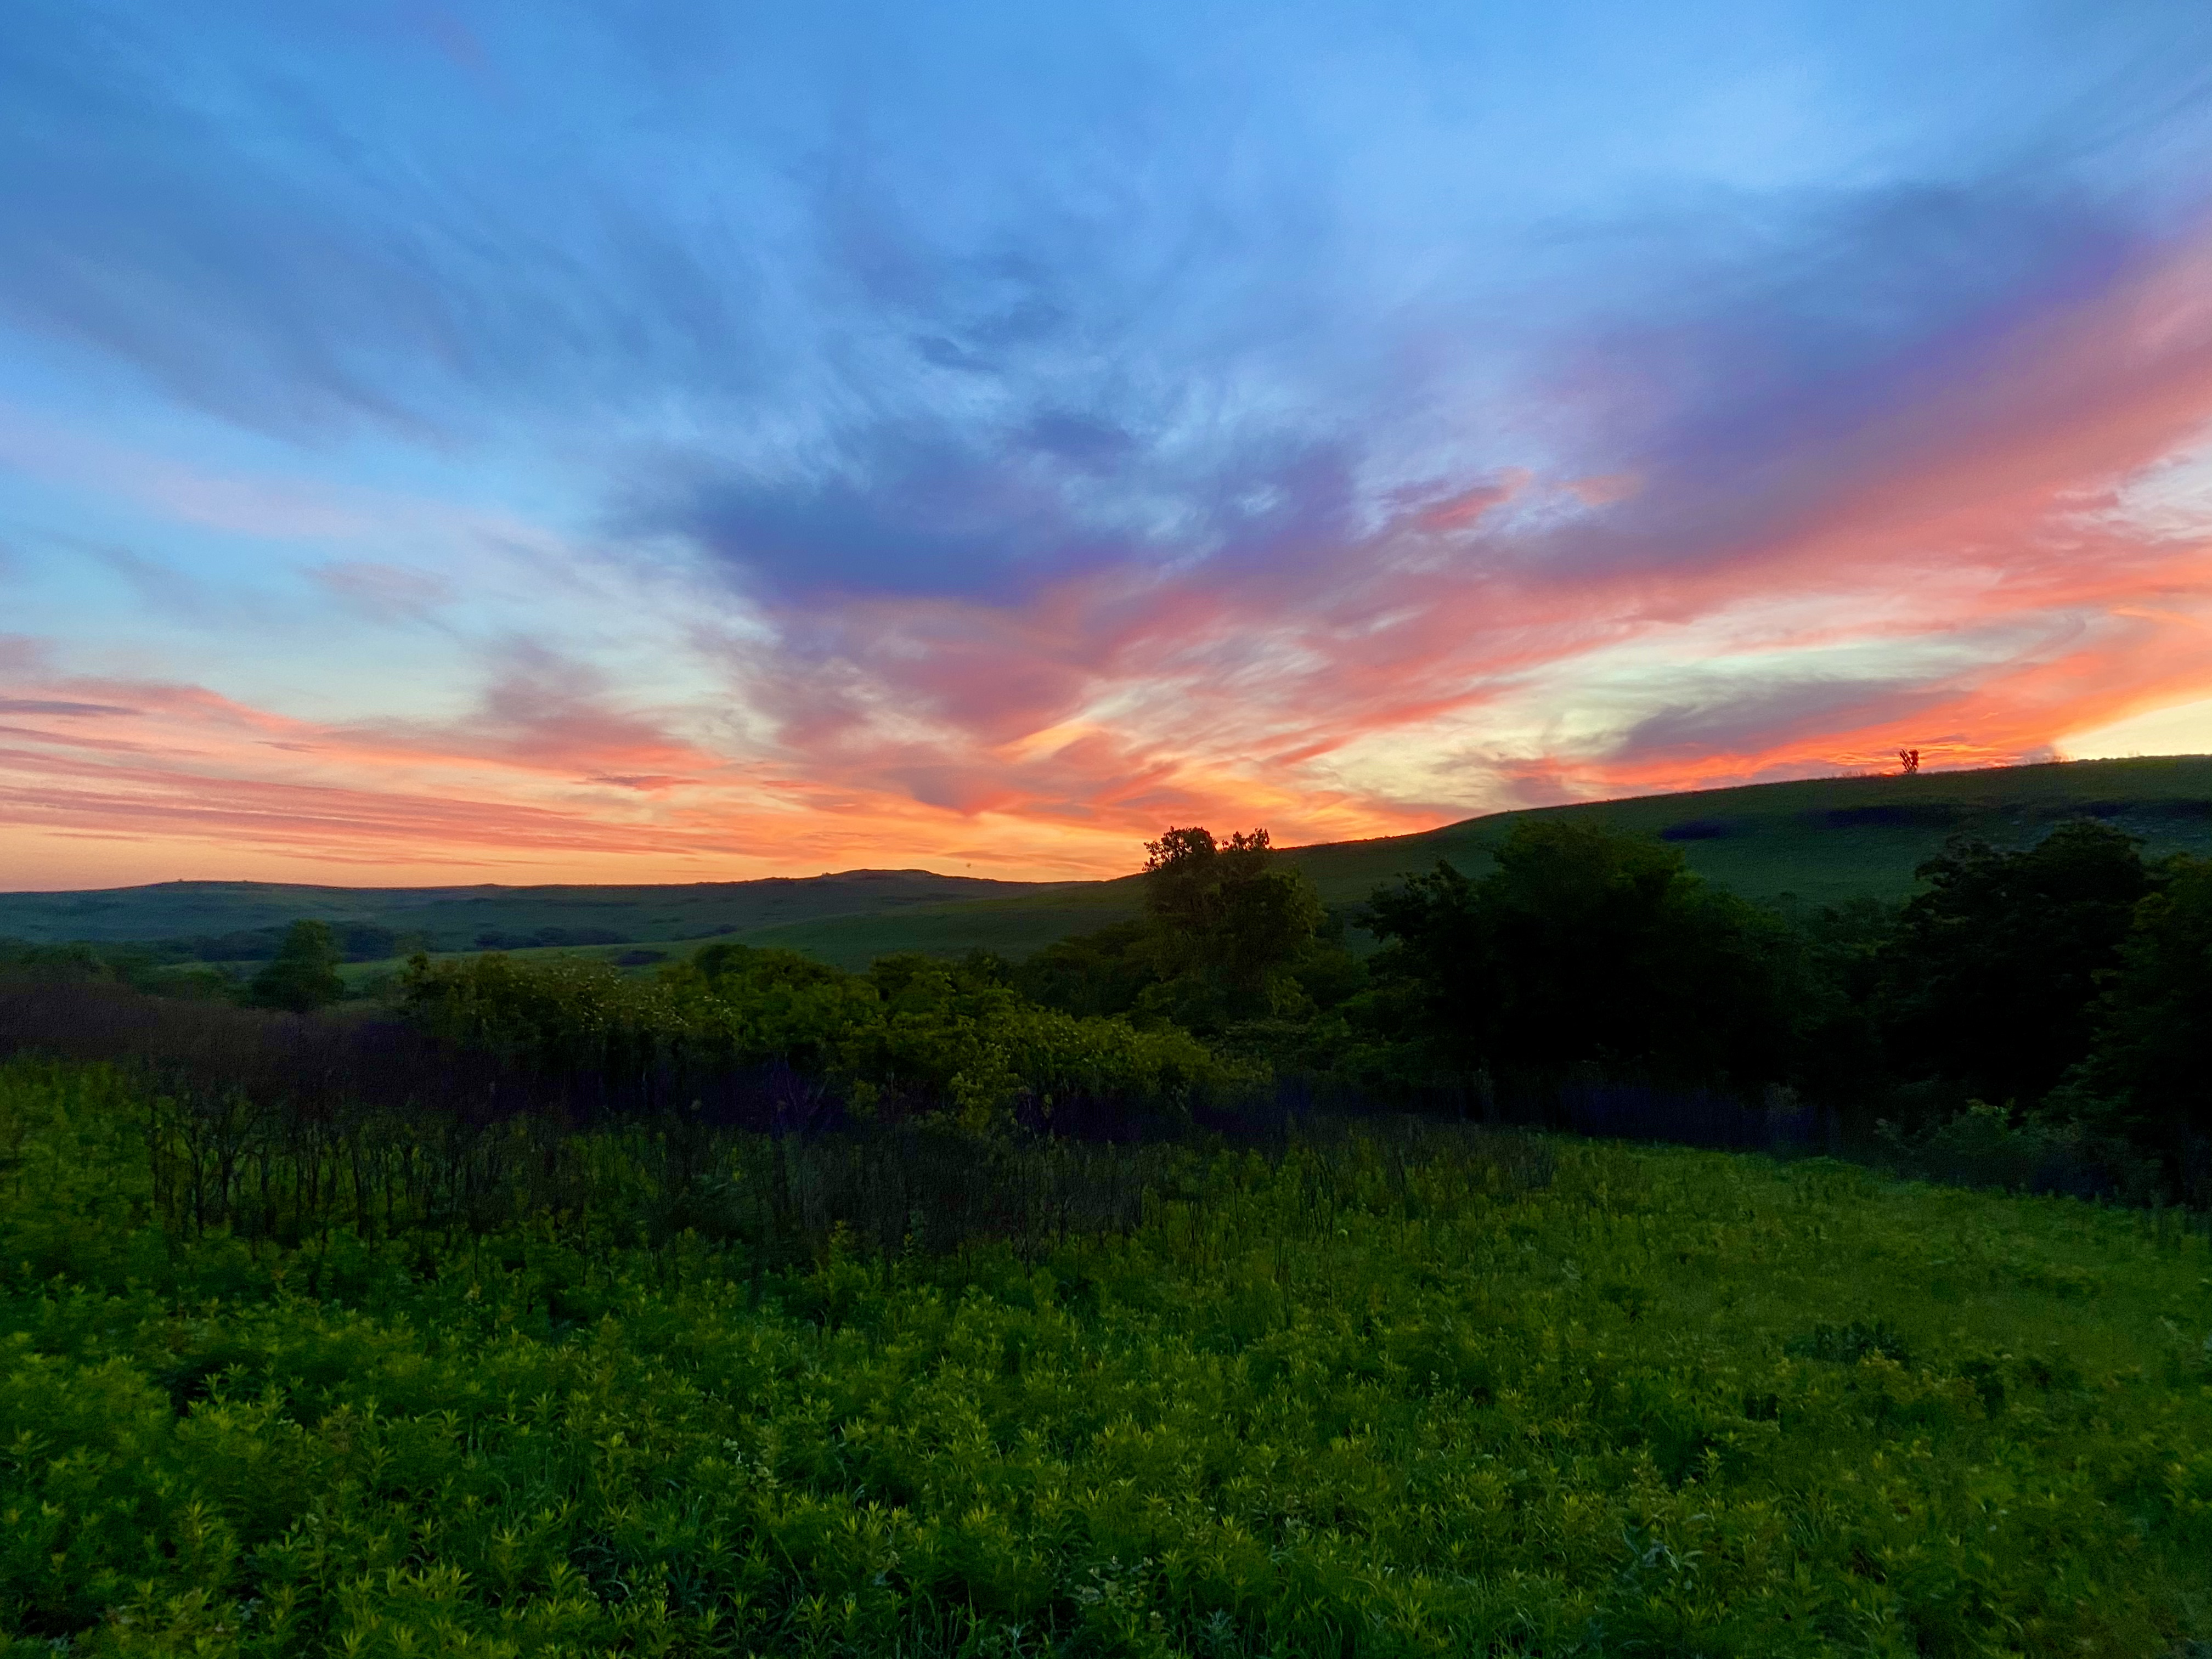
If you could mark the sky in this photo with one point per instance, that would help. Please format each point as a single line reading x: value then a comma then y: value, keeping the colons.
x: 661, y: 442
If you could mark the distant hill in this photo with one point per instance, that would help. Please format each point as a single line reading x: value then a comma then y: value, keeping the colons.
x: 1821, y: 840
x: 482, y: 917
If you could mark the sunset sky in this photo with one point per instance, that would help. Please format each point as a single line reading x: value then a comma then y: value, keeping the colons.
x: 662, y: 441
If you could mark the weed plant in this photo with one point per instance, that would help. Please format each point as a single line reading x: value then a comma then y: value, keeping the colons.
x: 1390, y: 1388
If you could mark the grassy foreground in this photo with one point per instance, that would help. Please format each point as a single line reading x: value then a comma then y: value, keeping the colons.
x: 1407, y: 1390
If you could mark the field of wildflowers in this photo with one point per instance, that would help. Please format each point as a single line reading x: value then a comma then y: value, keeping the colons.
x: 1389, y: 1389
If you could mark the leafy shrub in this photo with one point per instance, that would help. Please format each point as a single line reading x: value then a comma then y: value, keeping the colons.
x: 1995, y: 965
x: 2144, y: 1074
x: 1846, y: 1345
x: 1987, y: 1145
x: 913, y: 1035
x: 303, y: 974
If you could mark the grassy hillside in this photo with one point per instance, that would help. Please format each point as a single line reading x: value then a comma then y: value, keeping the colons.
x: 1827, y: 838
x: 1822, y: 840
x: 1410, y: 1391
x: 455, y: 918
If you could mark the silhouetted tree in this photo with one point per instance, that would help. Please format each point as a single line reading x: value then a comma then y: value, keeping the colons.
x: 2151, y: 1053
x: 1228, y: 926
x: 303, y: 974
x: 1586, y: 948
x: 1992, y: 970
x: 1909, y: 761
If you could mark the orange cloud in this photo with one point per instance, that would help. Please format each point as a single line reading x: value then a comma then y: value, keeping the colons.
x: 1962, y: 569
x: 106, y: 780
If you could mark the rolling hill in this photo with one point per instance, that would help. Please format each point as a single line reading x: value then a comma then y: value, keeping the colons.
x: 483, y: 917
x: 1819, y: 839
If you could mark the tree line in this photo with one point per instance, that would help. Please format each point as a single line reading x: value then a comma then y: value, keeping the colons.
x: 2061, y: 991
x: 2039, y: 1015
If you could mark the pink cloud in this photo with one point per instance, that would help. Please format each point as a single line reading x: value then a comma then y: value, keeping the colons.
x: 1968, y: 536
x: 563, y: 788
x: 1979, y: 508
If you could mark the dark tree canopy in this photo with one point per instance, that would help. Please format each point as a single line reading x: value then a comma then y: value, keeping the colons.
x: 1230, y: 937
x: 1994, y: 968
x: 1228, y: 925
x: 303, y: 975
x: 1586, y: 948
x: 2148, y: 1073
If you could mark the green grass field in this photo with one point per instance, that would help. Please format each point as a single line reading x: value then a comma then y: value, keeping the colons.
x: 1822, y: 840
x: 1416, y: 1392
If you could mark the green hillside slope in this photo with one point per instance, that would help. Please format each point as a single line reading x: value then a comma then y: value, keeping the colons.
x: 1821, y: 840
x: 455, y: 918
x: 1825, y: 839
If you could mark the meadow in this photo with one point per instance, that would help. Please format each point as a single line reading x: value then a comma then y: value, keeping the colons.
x: 1390, y: 1387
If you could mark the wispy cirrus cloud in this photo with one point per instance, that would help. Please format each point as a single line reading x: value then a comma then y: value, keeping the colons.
x: 1975, y: 509
x: 548, y: 776
x: 997, y: 438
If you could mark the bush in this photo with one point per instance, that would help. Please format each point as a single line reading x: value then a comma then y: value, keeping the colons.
x: 914, y: 1035
x: 1988, y: 1145
x: 2144, y: 1075
x: 303, y: 975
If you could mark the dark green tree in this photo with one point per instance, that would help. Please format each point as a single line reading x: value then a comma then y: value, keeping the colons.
x: 1586, y: 949
x: 1990, y: 975
x: 303, y: 975
x: 1105, y: 972
x: 1229, y: 925
x: 2148, y: 1073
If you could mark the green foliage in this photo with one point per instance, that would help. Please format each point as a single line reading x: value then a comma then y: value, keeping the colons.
x: 1585, y: 948
x: 1987, y: 1145
x: 1105, y: 972
x: 137, y: 966
x: 1994, y: 966
x: 913, y: 1035
x: 1233, y: 946
x: 1229, y: 925
x: 1583, y: 962
x: 1599, y: 957
x: 1401, y: 1391
x: 2146, y: 1073
x: 303, y: 974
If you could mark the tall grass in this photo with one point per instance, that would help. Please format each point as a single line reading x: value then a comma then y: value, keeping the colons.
x: 1380, y: 1388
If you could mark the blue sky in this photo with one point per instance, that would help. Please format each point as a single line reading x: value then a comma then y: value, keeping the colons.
x: 730, y: 440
